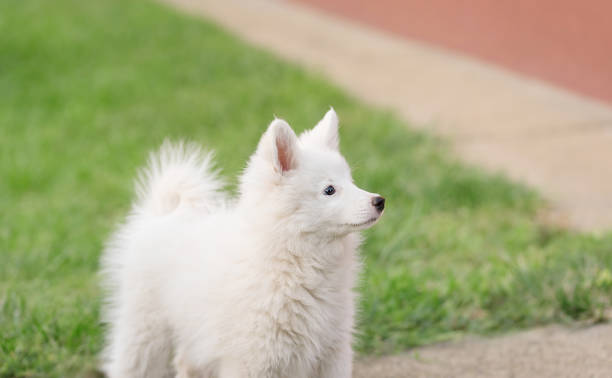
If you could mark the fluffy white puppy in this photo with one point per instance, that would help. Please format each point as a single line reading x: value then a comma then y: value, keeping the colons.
x: 260, y: 286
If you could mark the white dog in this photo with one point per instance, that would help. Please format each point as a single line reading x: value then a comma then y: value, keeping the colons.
x: 257, y: 287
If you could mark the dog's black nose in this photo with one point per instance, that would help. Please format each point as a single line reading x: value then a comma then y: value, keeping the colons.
x: 378, y: 203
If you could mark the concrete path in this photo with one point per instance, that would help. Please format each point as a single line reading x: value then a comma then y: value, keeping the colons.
x: 553, y: 140
x: 558, y: 142
x: 553, y: 352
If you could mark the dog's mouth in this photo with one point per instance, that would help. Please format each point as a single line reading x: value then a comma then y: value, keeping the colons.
x: 369, y: 221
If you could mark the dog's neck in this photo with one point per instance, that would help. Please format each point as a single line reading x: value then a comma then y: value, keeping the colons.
x: 283, y: 240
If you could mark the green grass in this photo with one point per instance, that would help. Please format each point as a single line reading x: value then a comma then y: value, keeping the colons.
x: 88, y: 87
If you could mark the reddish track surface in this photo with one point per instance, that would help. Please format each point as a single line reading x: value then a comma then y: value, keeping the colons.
x: 565, y: 42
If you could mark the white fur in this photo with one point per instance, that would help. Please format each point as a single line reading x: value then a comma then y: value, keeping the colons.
x: 260, y: 286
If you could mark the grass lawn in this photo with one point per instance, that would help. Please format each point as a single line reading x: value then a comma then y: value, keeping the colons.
x: 87, y: 88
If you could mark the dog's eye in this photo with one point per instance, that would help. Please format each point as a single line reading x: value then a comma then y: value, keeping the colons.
x: 329, y: 190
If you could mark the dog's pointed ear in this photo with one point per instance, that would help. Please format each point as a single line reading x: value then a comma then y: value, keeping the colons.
x: 279, y: 146
x: 326, y: 131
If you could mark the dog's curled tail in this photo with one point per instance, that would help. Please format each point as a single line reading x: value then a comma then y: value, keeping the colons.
x: 178, y: 175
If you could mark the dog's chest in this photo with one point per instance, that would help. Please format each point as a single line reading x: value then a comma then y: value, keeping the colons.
x: 305, y: 311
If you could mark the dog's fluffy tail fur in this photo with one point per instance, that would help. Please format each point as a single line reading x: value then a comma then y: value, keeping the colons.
x: 178, y: 175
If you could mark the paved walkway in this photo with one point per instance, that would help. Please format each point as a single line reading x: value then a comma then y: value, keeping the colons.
x: 559, y: 41
x: 551, y: 352
x: 558, y: 142
x: 553, y: 140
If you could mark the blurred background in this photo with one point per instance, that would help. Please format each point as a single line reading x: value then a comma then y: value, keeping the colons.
x: 486, y: 125
x: 562, y: 42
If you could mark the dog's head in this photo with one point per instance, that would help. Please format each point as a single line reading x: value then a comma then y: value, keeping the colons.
x: 306, y: 183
